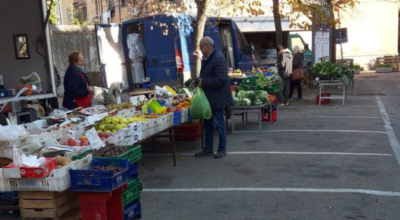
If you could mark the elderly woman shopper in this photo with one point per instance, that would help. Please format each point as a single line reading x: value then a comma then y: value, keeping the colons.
x: 78, y: 92
x: 297, y: 64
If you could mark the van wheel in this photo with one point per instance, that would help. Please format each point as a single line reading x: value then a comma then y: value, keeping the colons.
x: 3, y: 119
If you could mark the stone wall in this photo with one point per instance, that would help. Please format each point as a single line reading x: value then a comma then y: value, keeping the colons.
x: 67, y: 38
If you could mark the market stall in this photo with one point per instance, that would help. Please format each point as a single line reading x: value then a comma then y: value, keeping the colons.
x: 254, y: 92
x: 92, y: 152
x: 332, y: 75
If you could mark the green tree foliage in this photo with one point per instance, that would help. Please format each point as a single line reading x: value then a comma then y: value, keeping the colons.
x: 53, y: 14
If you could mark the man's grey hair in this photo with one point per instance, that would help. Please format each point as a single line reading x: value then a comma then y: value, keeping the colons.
x: 208, y: 41
x: 296, y: 49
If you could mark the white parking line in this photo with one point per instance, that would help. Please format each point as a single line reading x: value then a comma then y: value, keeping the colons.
x: 282, y: 152
x: 339, y: 117
x: 361, y: 191
x: 389, y: 130
x: 319, y: 131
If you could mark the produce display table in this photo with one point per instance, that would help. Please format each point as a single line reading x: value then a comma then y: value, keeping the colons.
x: 245, y: 110
x: 323, y: 83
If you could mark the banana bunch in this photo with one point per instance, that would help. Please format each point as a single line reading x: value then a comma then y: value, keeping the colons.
x: 139, y: 115
x: 124, y: 105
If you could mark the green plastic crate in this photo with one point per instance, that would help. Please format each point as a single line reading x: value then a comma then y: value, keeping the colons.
x: 249, y: 81
x: 82, y: 155
x: 134, y: 154
x: 132, y: 192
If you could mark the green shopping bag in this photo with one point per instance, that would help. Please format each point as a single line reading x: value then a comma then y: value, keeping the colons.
x: 200, y: 108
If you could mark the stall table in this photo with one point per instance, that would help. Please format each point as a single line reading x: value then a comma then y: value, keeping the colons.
x: 323, y: 83
x: 245, y: 110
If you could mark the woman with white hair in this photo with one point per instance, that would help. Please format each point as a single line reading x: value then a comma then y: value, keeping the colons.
x: 297, y: 64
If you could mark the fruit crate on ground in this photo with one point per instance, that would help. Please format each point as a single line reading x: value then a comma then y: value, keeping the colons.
x: 101, y: 180
x: 132, y: 192
x: 47, y: 204
x: 58, y: 180
x: 104, y: 206
x: 188, y: 131
x: 133, y: 211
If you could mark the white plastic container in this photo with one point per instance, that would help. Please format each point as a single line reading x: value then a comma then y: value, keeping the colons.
x: 58, y: 180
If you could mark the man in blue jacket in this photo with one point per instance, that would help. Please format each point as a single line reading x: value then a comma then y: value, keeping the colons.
x: 214, y: 80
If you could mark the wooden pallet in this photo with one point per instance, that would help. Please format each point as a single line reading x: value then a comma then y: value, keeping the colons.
x: 392, y: 60
x: 53, y: 205
x: 349, y: 62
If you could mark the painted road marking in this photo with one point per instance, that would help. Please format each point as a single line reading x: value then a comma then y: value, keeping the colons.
x: 360, y: 191
x: 282, y: 152
x: 327, y: 117
x: 319, y: 131
x: 389, y: 130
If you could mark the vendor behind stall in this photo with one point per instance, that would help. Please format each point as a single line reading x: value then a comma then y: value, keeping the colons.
x: 78, y: 92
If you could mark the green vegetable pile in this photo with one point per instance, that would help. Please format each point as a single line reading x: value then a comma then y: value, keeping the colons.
x: 333, y: 71
x: 265, y: 82
x: 247, y: 98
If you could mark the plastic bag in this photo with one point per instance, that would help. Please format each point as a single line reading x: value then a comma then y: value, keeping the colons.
x: 11, y: 132
x: 200, y: 108
x: 58, y: 113
x: 33, y: 79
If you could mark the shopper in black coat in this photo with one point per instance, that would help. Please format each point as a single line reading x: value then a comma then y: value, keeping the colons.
x: 297, y: 64
x: 214, y: 80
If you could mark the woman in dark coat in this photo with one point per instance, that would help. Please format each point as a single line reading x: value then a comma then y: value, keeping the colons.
x: 77, y: 89
x: 297, y: 64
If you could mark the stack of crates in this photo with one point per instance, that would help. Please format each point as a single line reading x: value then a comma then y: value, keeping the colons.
x: 107, y: 196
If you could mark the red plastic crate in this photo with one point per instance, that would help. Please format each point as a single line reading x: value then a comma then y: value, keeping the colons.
x: 267, y: 118
x: 188, y: 128
x: 33, y: 172
x: 323, y: 101
x: 102, y: 206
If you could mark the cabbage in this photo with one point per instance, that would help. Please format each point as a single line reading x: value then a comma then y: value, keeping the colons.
x: 251, y: 95
x: 256, y: 102
x: 246, y: 101
x: 242, y: 94
x: 237, y: 101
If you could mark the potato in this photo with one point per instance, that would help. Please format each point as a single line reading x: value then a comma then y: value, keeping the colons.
x: 65, y: 163
x: 62, y: 160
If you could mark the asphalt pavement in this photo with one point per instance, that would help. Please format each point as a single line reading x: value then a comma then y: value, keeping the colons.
x: 315, y: 163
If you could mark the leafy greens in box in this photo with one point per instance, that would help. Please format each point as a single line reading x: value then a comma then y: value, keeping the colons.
x: 333, y: 71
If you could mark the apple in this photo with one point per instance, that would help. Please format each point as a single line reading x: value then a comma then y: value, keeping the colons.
x: 108, y: 120
x: 115, y: 121
x: 114, y: 131
x: 109, y: 127
x: 123, y: 121
x: 101, y: 126
x: 170, y: 109
x: 101, y: 135
x: 82, y: 138
x: 84, y: 143
x: 131, y: 120
x: 71, y: 142
x: 108, y: 131
x: 118, y: 126
x: 103, y: 138
x: 118, y: 117
x: 99, y: 131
